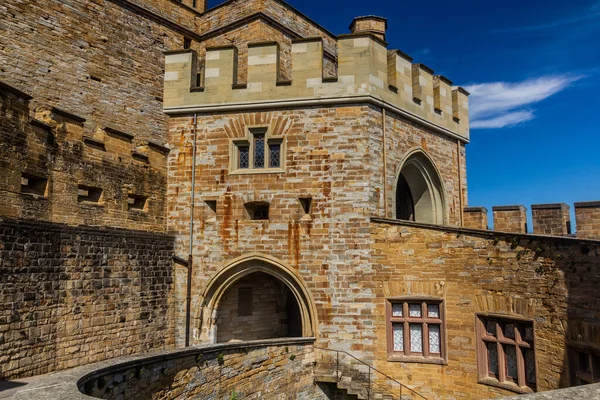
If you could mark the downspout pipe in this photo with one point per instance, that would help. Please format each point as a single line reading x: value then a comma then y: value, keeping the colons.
x: 188, y: 299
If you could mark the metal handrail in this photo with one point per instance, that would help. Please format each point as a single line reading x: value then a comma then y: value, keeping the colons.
x: 337, y: 367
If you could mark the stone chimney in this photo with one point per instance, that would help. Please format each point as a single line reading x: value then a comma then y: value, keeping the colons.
x: 371, y: 24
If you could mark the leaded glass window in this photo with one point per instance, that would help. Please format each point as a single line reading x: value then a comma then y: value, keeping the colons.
x: 507, y: 348
x: 398, y: 337
x: 274, y: 155
x: 416, y: 329
x: 259, y: 151
x: 243, y: 157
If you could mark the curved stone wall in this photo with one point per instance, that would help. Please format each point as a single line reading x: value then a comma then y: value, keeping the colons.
x: 258, y: 369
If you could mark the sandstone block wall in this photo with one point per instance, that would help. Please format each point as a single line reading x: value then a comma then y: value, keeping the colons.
x: 587, y: 216
x: 551, y: 281
x: 510, y: 219
x: 72, y: 295
x: 83, y: 179
x: 331, y: 159
x: 260, y: 370
x: 475, y: 217
x: 551, y: 219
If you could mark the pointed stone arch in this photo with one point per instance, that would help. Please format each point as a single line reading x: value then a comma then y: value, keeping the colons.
x: 419, y: 191
x: 235, y: 271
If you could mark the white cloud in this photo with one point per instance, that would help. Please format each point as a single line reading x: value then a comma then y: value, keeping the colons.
x: 500, y: 104
x: 508, y: 119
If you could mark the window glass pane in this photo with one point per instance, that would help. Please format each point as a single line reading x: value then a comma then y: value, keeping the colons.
x: 509, y: 331
x: 530, y: 366
x: 259, y: 151
x: 434, y: 338
x: 527, y: 334
x: 433, y: 311
x: 244, y: 157
x: 414, y: 310
x: 397, y: 310
x: 416, y: 338
x: 398, y: 337
x: 490, y: 327
x: 492, y: 358
x: 274, y: 155
x: 511, y: 361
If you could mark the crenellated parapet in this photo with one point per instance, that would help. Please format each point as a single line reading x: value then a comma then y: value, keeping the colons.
x: 367, y: 72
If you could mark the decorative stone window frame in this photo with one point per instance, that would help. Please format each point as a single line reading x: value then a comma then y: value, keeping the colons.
x: 577, y: 352
x: 248, y: 141
x: 406, y: 355
x: 518, y: 384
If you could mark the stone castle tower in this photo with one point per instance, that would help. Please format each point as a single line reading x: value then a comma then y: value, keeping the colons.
x: 176, y: 176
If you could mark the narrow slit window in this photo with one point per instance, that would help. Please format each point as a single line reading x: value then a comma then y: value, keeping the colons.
x: 274, y: 155
x: 243, y: 157
x: 187, y: 43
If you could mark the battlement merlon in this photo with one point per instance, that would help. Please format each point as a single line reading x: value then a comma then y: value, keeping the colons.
x: 367, y: 72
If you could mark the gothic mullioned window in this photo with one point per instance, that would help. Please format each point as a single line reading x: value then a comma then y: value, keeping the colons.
x: 415, y: 330
x: 506, y: 354
x: 257, y: 152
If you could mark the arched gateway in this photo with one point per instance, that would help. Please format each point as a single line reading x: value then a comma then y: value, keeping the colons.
x: 419, y: 190
x: 255, y: 297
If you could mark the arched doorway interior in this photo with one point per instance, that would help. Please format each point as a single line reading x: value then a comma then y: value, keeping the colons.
x: 255, y: 297
x: 258, y: 306
x: 419, y: 192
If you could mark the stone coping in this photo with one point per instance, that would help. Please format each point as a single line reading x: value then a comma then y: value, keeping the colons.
x: 551, y: 206
x: 64, y: 385
x: 475, y: 209
x: 485, y: 233
x: 587, y: 204
x: 509, y: 208
x: 588, y: 392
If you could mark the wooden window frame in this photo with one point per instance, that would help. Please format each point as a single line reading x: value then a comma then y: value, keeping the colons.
x: 406, y: 320
x: 249, y: 142
x: 577, y: 377
x: 520, y: 385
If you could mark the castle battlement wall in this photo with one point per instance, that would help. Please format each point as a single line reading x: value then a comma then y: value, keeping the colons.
x: 367, y: 71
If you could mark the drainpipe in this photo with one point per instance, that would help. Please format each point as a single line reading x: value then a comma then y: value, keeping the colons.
x: 188, y: 299
x: 385, y: 197
x: 460, y: 188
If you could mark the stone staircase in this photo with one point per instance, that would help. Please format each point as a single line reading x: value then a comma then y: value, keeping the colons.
x: 357, y: 389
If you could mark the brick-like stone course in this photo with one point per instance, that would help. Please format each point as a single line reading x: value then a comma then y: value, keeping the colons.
x: 524, y: 276
x: 260, y: 370
x: 551, y: 219
x: 55, y: 147
x: 587, y: 217
x: 475, y: 217
x: 510, y: 219
x: 73, y: 295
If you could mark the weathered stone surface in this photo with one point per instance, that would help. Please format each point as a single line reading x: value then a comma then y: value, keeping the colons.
x: 74, y: 295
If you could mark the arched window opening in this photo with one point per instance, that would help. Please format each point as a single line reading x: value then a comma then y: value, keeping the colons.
x: 419, y: 193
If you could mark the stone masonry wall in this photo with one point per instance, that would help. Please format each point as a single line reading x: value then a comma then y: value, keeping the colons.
x: 72, y: 295
x: 267, y: 319
x: 334, y: 156
x: 327, y: 159
x: 259, y: 370
x: 71, y: 166
x: 552, y: 281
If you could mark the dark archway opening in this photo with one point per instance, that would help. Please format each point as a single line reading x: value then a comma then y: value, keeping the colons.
x: 419, y: 192
x: 258, y: 306
x: 405, y: 206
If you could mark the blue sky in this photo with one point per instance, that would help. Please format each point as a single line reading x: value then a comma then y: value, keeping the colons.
x: 533, y: 68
